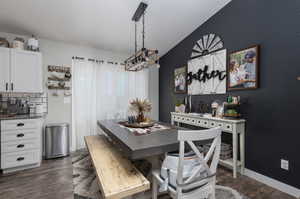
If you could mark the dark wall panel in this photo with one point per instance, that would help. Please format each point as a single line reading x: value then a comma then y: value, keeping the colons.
x: 273, y: 110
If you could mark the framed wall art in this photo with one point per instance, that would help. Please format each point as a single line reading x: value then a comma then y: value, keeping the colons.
x: 243, y: 69
x: 207, y: 74
x: 180, y: 80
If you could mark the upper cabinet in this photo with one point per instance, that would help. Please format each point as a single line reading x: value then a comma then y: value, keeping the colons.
x: 4, y: 69
x: 25, y: 72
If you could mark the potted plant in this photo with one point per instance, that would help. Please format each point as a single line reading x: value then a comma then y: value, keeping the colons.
x: 179, y: 107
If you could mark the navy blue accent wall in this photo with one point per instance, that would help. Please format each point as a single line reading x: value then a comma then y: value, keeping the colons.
x: 273, y: 110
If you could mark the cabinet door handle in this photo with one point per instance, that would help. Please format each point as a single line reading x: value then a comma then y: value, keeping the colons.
x: 12, y: 86
x: 20, y: 124
x: 20, y: 146
x: 20, y: 135
x: 20, y: 158
x: 6, y: 86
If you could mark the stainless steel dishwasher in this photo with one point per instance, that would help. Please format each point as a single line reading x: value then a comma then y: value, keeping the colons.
x: 57, y: 140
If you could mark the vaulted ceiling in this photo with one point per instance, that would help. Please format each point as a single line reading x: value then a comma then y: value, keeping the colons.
x: 107, y: 24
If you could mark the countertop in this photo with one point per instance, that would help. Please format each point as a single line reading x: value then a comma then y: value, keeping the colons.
x: 21, y: 117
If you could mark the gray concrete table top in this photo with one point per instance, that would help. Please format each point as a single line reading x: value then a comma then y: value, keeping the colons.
x: 141, y: 146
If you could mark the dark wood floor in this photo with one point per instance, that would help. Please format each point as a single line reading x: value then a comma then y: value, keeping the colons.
x: 249, y: 187
x: 53, y: 180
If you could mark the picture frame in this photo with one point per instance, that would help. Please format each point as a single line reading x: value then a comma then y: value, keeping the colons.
x: 243, y: 69
x: 180, y: 83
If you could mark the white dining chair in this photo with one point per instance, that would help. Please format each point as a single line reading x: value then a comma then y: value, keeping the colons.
x: 201, y: 183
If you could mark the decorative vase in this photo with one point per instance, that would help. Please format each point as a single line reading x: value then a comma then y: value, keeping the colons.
x: 141, y: 117
x: 180, y: 108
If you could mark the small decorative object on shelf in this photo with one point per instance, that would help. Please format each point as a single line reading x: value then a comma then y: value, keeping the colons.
x: 140, y: 107
x: 232, y: 107
x: 215, y: 106
x: 188, y: 104
x: 33, y: 44
x: 179, y: 107
x: 217, y: 109
x: 4, y: 42
x: 18, y: 43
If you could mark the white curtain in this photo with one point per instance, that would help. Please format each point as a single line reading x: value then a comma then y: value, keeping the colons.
x: 84, y: 101
x: 116, y: 87
x: 102, y: 91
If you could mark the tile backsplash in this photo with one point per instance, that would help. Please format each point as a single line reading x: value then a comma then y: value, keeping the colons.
x: 23, y: 103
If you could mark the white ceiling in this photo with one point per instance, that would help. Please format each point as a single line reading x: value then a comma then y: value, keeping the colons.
x: 106, y: 24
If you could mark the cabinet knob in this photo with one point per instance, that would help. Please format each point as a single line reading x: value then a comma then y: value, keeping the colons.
x: 20, y: 124
x: 20, y: 146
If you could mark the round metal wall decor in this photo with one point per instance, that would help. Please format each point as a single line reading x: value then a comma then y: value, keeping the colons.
x: 207, y: 44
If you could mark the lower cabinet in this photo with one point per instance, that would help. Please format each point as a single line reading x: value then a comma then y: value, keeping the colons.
x: 17, y: 159
x: 21, y: 144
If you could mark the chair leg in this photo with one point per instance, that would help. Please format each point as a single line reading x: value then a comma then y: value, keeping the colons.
x: 213, y: 192
x: 213, y: 195
x: 154, y: 188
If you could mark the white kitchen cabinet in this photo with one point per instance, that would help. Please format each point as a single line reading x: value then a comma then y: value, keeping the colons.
x: 4, y: 69
x: 26, y: 71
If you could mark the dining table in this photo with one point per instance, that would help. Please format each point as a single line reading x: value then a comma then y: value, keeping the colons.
x: 142, y: 146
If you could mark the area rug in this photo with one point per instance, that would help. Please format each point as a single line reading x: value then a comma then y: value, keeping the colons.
x: 84, y: 178
x: 86, y: 185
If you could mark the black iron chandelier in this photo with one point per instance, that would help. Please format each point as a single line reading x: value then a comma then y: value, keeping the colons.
x: 143, y: 58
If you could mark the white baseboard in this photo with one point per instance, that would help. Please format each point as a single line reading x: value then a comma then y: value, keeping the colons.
x: 293, y: 191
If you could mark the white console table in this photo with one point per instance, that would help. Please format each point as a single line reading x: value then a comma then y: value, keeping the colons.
x: 235, y: 127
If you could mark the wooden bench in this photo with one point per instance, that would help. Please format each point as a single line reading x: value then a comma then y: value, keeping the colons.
x: 117, y: 176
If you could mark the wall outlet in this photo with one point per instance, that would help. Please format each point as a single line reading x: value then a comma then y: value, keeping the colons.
x: 285, y: 164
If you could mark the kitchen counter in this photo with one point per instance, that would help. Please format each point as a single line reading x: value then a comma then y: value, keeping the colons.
x: 20, y: 117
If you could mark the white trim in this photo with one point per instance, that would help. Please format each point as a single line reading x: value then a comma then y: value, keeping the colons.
x: 293, y: 191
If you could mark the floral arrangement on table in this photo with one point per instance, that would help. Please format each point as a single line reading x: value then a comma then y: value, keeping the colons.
x: 140, y: 107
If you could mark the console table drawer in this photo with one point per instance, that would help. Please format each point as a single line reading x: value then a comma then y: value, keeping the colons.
x: 227, y: 127
x: 198, y: 122
x: 193, y: 121
x: 190, y: 121
x: 205, y: 123
x: 179, y: 118
x: 213, y: 124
